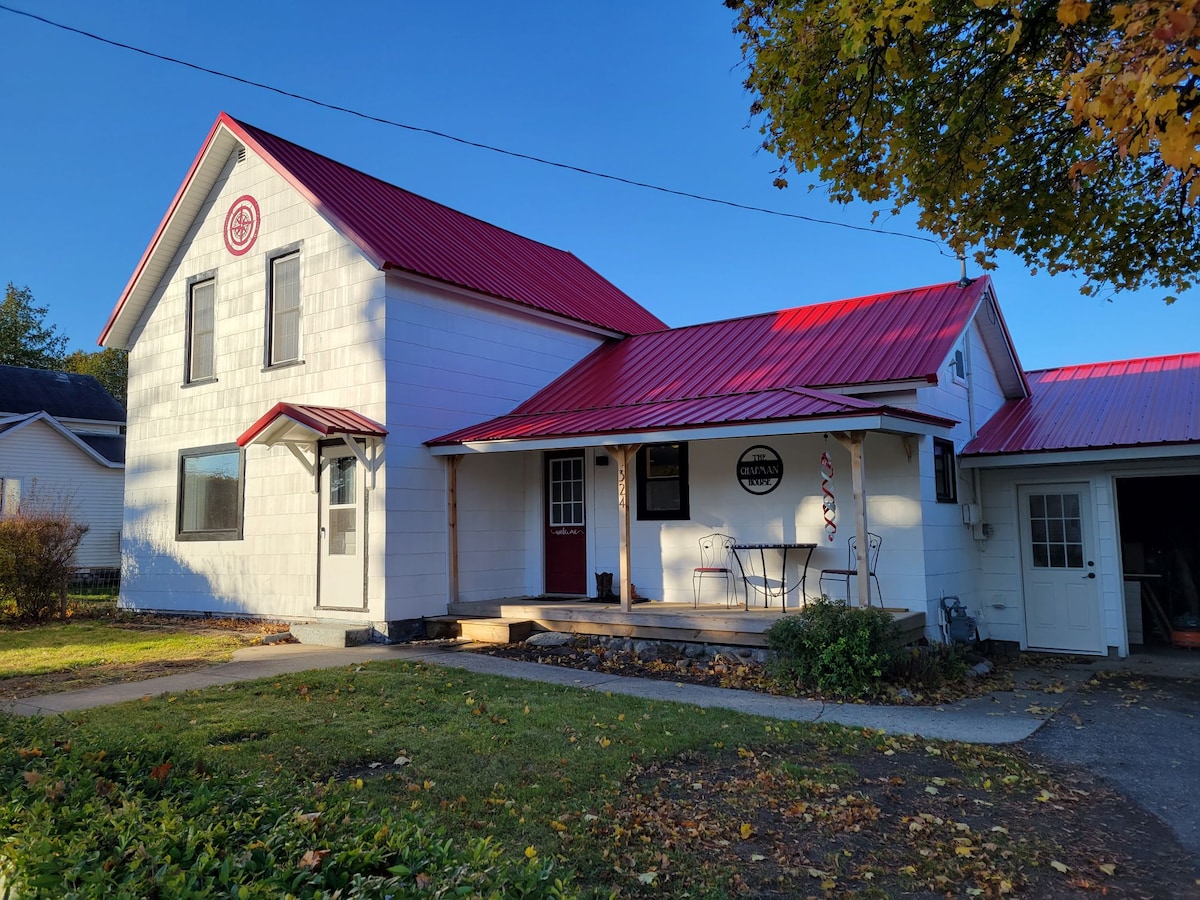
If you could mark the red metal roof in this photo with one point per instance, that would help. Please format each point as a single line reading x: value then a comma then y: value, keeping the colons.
x: 902, y: 336
x: 1131, y: 403
x: 788, y: 404
x: 401, y: 230
x: 734, y: 366
x: 324, y: 420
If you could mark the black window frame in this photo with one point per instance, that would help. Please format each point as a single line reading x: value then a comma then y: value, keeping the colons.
x: 660, y: 515
x: 274, y: 257
x: 211, y: 534
x: 945, y: 471
x: 189, y: 376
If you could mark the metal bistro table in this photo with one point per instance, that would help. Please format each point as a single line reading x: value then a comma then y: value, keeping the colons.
x: 783, y: 549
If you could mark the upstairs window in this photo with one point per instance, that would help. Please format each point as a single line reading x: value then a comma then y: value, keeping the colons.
x: 201, y: 330
x: 958, y: 367
x: 944, y: 476
x: 283, y: 313
x: 662, y: 473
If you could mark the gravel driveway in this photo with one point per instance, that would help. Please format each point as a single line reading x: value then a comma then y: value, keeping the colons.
x: 1137, y: 728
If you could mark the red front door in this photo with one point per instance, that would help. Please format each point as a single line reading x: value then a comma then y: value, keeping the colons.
x: 566, y: 528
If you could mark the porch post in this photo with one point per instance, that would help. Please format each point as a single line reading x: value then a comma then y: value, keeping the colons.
x: 623, y: 453
x: 854, y: 443
x: 452, y: 523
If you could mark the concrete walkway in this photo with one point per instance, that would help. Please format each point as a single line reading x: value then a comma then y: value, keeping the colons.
x: 1000, y: 718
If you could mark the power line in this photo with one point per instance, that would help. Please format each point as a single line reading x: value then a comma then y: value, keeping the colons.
x: 460, y: 140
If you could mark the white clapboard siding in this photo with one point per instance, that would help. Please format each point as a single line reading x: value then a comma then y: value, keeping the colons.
x: 452, y: 361
x: 56, y: 473
x: 271, y: 571
x: 417, y: 358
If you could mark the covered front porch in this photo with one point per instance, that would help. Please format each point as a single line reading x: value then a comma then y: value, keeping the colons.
x: 685, y: 623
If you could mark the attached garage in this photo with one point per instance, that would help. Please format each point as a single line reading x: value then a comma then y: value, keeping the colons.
x: 1089, y: 489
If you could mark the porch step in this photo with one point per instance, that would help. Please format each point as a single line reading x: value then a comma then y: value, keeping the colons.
x: 442, y: 627
x: 330, y: 635
x: 495, y: 631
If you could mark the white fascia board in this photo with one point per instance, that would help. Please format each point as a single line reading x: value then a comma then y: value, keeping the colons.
x: 882, y: 423
x: 507, y: 305
x: 170, y: 236
x: 998, y: 342
x: 1068, y: 457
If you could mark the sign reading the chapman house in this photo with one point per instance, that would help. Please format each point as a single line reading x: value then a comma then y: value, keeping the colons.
x: 759, y: 470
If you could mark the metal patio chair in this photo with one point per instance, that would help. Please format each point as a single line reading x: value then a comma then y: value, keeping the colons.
x: 716, y: 561
x: 874, y: 542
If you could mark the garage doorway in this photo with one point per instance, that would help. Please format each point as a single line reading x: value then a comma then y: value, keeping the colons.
x: 1159, y: 529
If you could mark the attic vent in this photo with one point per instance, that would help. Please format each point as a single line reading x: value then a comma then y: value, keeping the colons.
x: 241, y: 154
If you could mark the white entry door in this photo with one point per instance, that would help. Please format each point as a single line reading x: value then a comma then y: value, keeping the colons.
x: 343, y: 533
x: 1062, y: 599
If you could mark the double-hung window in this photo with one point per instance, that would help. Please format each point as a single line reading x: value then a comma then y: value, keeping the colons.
x: 283, y: 310
x: 210, y: 493
x: 201, y: 330
x: 662, y: 474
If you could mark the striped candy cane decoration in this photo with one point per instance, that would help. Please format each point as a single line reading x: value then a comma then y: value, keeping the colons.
x: 828, y: 502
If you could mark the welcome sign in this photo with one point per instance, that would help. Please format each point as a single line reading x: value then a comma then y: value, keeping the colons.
x: 759, y: 470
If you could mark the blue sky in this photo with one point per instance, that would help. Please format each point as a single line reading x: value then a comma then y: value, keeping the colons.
x: 98, y: 139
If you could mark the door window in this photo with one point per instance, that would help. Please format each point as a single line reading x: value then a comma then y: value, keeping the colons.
x: 1055, y: 531
x: 343, y: 514
x: 566, y: 491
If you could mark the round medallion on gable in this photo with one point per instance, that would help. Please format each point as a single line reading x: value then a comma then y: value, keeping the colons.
x: 241, y: 225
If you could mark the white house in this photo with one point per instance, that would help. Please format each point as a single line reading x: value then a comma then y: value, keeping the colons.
x: 62, y: 446
x: 352, y: 404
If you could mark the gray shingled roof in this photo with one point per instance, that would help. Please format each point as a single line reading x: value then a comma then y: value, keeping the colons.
x: 61, y: 394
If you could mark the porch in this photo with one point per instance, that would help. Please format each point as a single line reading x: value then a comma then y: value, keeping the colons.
x: 655, y: 620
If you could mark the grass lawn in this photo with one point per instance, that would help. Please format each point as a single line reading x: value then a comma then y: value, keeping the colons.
x: 401, y: 779
x: 63, y: 656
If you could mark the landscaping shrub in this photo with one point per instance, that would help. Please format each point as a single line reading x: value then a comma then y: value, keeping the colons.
x: 929, y: 668
x: 843, y: 651
x: 145, y: 821
x: 37, y: 551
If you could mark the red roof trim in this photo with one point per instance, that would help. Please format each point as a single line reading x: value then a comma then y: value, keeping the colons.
x: 325, y: 420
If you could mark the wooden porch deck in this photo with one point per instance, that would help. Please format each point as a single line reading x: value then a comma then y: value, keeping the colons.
x: 656, y: 620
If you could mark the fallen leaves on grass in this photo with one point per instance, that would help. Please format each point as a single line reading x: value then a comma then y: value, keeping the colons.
x: 913, y: 822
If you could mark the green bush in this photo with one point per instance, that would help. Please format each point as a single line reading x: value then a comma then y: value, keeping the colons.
x: 145, y: 821
x: 842, y: 651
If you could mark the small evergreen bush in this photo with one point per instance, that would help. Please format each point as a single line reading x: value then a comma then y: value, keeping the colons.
x: 842, y: 651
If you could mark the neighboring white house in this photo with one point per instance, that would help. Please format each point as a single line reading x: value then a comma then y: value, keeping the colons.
x: 62, y: 445
x: 350, y: 403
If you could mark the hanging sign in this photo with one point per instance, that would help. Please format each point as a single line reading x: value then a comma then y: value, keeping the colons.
x: 759, y: 470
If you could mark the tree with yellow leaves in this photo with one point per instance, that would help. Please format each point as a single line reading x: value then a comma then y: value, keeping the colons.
x: 1059, y: 130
